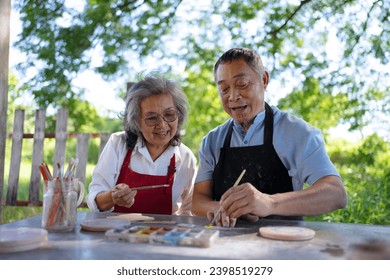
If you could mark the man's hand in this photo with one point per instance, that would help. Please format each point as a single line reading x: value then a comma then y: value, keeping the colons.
x: 222, y: 219
x: 245, y: 201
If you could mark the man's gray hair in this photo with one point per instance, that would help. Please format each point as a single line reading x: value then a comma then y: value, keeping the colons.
x: 248, y: 55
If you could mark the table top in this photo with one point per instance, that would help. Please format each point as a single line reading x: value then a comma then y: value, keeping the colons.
x: 331, y: 241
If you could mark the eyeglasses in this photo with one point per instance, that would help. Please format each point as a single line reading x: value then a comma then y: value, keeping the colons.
x: 154, y: 119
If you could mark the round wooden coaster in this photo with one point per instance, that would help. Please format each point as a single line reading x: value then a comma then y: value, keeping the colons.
x: 287, y: 233
x: 22, y: 239
x: 102, y: 224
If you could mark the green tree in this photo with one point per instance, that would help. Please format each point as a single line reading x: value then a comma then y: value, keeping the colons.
x: 17, y: 100
x: 364, y: 168
x: 322, y: 108
x: 293, y: 37
x: 329, y: 51
x: 57, y: 40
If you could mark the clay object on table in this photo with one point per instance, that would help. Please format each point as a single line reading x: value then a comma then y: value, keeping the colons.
x: 287, y: 233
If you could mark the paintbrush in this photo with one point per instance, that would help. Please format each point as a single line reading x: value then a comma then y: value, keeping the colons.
x: 150, y: 187
x: 219, y: 209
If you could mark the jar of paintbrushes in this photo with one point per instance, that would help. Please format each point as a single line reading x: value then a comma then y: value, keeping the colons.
x: 63, y: 194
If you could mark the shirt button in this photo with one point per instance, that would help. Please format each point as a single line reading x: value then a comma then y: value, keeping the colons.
x: 245, y: 142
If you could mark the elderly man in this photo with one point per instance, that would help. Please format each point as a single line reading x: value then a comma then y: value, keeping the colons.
x: 279, y: 152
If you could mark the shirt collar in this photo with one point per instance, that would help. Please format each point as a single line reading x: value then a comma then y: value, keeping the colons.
x: 142, y: 150
x: 259, y: 119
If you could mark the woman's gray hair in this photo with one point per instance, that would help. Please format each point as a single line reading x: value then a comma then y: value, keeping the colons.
x: 149, y: 85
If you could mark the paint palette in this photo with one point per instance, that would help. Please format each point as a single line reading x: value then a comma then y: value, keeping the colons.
x: 171, y: 236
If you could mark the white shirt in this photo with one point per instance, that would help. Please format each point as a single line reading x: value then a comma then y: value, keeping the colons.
x: 106, y: 172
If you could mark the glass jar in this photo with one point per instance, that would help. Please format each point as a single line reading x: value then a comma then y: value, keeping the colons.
x: 59, y: 212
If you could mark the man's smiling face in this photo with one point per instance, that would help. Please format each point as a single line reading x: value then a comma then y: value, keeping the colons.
x: 241, y: 90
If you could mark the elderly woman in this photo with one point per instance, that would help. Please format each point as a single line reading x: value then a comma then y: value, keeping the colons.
x: 148, y: 153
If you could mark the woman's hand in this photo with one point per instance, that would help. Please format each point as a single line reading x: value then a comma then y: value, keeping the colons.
x: 122, y: 195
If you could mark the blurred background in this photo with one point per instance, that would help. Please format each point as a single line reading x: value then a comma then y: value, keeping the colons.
x: 328, y: 63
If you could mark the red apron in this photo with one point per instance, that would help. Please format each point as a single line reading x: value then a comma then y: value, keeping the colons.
x: 153, y: 201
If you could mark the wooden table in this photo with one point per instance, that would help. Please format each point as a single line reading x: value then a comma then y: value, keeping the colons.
x: 332, y: 241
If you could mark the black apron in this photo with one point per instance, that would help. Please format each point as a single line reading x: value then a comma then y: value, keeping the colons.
x: 264, y: 169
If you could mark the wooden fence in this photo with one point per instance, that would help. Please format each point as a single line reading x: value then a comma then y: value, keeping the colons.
x: 61, y: 135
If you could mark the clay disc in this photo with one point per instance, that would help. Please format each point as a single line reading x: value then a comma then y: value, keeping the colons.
x: 132, y: 217
x: 102, y: 224
x: 287, y: 233
x: 22, y: 239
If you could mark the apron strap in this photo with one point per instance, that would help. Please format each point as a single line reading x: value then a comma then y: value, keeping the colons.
x: 268, y: 125
x: 171, y: 170
x: 228, y: 137
x: 126, y: 162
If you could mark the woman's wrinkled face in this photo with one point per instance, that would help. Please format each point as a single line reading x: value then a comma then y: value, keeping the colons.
x: 241, y: 90
x: 159, y: 121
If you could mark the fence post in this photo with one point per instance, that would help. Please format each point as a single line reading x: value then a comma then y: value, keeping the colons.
x: 82, y: 155
x: 16, y: 154
x: 61, y: 135
x: 103, y: 140
x: 37, y: 156
x: 5, y: 22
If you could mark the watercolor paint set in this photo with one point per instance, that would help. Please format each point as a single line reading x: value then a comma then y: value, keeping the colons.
x: 172, y: 236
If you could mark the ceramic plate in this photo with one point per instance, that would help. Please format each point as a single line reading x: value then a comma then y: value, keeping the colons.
x: 287, y: 233
x: 22, y: 239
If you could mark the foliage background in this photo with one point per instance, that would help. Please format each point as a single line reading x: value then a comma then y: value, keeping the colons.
x: 328, y: 62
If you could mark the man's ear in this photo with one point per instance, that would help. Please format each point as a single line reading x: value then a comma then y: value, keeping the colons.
x: 265, y: 79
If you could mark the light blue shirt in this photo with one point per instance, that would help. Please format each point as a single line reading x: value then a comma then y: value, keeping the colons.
x: 299, y: 146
